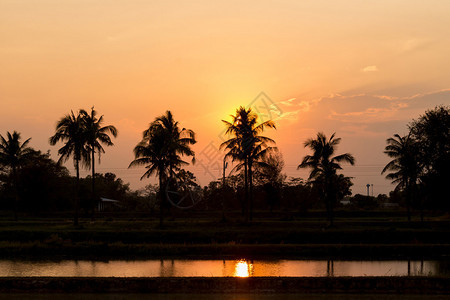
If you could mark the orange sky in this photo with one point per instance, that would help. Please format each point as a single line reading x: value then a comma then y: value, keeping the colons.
x: 362, y: 69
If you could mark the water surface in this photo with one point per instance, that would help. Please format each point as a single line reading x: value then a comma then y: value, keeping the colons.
x: 221, y: 268
x: 231, y: 296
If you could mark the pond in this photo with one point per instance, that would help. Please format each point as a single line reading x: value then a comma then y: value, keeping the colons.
x: 221, y: 268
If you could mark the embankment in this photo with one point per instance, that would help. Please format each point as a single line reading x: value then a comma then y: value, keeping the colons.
x: 352, y: 285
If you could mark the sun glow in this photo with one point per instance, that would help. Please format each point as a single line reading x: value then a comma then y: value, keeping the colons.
x: 243, y: 269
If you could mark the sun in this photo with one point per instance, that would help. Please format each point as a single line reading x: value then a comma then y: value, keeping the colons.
x: 243, y: 269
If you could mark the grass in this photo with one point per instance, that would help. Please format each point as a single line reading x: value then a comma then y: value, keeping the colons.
x: 359, y: 235
x: 255, y: 285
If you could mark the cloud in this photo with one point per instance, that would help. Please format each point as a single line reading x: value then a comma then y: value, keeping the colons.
x: 414, y: 44
x: 290, y: 115
x: 369, y: 69
x: 291, y: 108
x: 288, y: 102
x: 361, y: 130
x: 361, y: 114
x: 370, y: 114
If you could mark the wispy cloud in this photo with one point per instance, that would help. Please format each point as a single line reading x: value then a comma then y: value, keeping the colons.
x: 292, y: 107
x: 370, y: 114
x: 289, y: 102
x: 360, y: 114
x: 369, y: 69
x: 289, y: 115
x: 360, y: 130
x: 413, y: 44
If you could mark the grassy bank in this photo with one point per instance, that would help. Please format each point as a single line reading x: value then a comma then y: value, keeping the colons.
x: 118, y: 250
x: 380, y: 235
x: 195, y: 285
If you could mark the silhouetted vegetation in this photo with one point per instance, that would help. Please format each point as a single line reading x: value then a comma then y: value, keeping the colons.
x: 323, y: 167
x: 404, y: 166
x: 268, y: 174
x: 96, y: 136
x: 421, y: 164
x: 44, y: 185
x: 83, y: 135
x: 14, y: 154
x: 248, y: 147
x: 32, y: 183
x: 431, y: 133
x: 162, y: 146
x: 289, y: 213
x: 70, y: 129
x: 359, y: 201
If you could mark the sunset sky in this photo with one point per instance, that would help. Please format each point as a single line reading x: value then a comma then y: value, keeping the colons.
x: 362, y: 69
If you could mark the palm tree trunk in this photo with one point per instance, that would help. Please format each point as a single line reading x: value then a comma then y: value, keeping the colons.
x: 422, y: 207
x: 77, y: 198
x: 331, y: 211
x: 166, y: 200
x: 223, y: 192
x: 408, y: 202
x: 161, y: 200
x: 327, y: 206
x: 408, y: 210
x: 16, y: 193
x: 93, y: 184
x: 250, y: 180
x: 246, y: 190
x: 330, y: 194
x: 421, y: 214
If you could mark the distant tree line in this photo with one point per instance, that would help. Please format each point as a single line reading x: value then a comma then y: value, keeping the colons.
x: 31, y: 182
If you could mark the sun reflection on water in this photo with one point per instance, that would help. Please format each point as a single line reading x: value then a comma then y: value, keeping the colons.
x: 243, y: 269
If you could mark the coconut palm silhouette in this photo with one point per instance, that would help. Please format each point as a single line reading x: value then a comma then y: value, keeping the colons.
x: 13, y: 154
x: 71, y: 130
x: 323, y: 167
x: 161, y: 149
x: 97, y: 135
x: 404, y: 167
x: 247, y: 146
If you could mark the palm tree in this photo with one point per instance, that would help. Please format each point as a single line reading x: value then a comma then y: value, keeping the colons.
x: 404, y: 166
x: 323, y: 167
x: 247, y: 146
x: 71, y: 129
x: 160, y: 150
x: 96, y: 136
x: 13, y: 154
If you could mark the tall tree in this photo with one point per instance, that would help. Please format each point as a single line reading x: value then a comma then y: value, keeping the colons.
x: 431, y: 132
x: 269, y: 169
x: 323, y: 167
x: 71, y: 129
x: 43, y: 183
x: 13, y: 154
x: 247, y: 145
x: 268, y: 175
x: 160, y: 150
x: 97, y: 135
x: 404, y: 166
